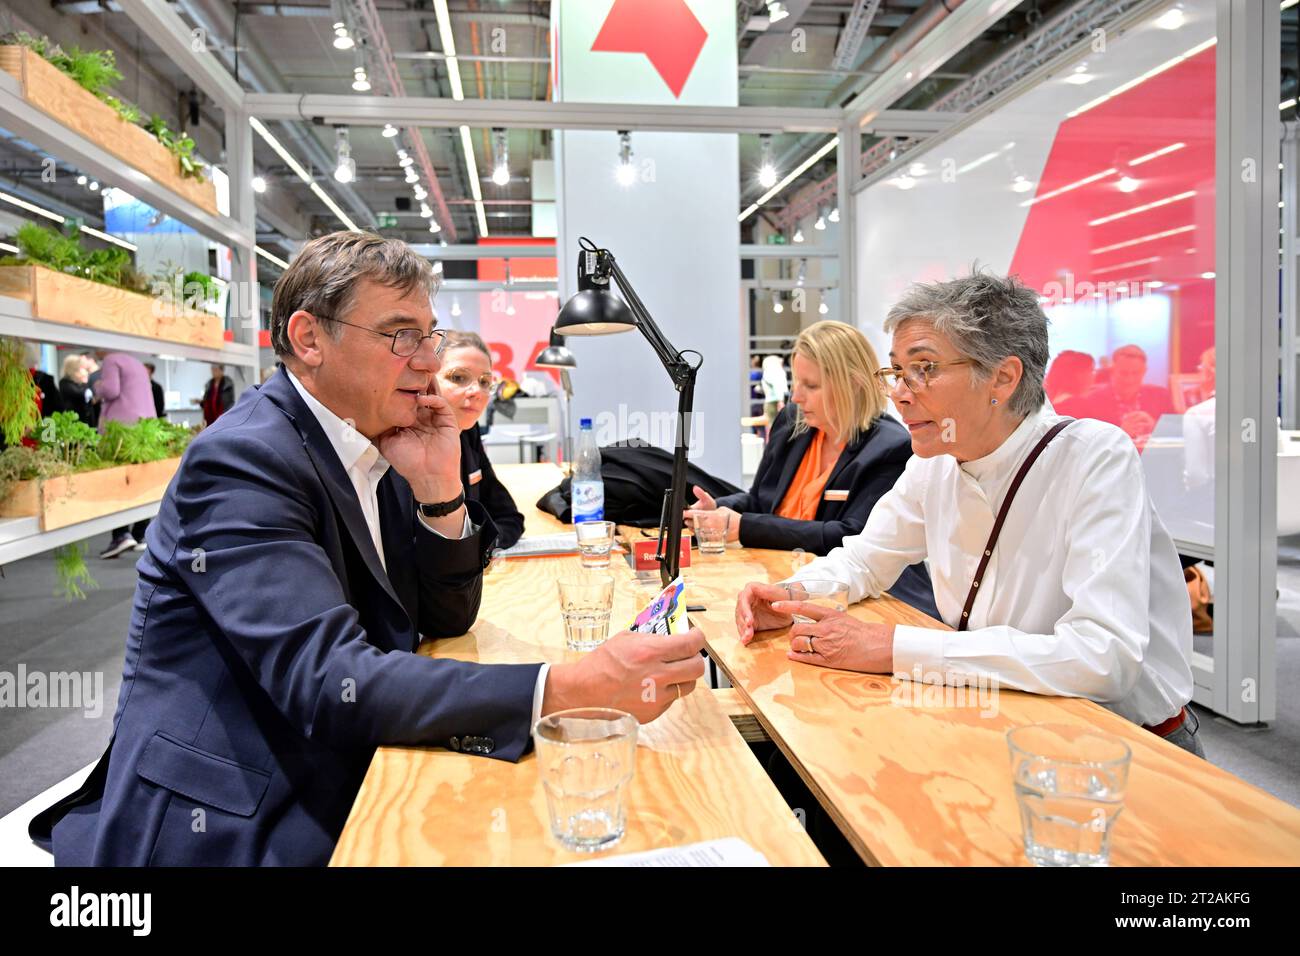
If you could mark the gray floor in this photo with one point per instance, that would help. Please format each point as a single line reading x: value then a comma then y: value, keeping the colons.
x: 41, y: 746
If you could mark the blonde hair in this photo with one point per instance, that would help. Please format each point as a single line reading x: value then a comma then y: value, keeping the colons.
x: 848, y: 366
x: 71, y: 366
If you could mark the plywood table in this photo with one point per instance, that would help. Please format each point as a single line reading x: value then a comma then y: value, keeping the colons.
x: 920, y: 775
x: 696, y: 779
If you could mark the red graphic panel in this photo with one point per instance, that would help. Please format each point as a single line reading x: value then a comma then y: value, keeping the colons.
x: 666, y: 31
x: 1125, y: 209
x: 516, y: 339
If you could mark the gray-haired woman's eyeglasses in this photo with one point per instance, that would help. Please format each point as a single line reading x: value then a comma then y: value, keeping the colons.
x: 406, y: 342
x: 916, y: 375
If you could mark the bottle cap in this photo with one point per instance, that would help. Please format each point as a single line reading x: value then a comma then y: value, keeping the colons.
x: 584, y: 423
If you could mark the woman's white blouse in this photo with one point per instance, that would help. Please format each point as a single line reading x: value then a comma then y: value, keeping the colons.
x: 1084, y: 594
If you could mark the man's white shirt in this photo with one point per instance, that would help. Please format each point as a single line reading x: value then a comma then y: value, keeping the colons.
x: 1084, y: 594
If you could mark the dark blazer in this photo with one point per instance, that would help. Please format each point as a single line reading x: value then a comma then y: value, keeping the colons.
x: 74, y: 399
x: 866, y: 469
x: 482, y: 485
x: 159, y: 405
x: 269, y: 653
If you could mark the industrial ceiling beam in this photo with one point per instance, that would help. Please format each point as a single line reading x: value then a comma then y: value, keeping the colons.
x: 187, y: 48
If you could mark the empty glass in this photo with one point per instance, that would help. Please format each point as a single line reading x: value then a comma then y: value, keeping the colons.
x: 595, y: 539
x: 1070, y: 784
x: 822, y: 592
x: 585, y: 602
x: 586, y: 757
x: 711, y: 532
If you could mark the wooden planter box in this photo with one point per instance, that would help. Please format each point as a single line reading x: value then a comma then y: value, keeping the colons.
x: 50, y: 91
x: 68, y: 499
x: 60, y: 297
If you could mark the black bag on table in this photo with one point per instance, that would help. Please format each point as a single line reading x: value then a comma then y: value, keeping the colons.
x: 636, y: 475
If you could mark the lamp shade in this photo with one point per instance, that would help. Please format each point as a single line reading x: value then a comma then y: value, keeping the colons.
x: 555, y: 355
x: 594, y: 312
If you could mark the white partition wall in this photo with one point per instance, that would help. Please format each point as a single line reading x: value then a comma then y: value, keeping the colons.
x: 673, y: 229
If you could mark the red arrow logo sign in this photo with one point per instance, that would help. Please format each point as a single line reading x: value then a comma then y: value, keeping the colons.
x: 666, y: 31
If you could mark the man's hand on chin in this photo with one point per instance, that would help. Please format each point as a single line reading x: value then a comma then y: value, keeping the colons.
x: 427, y: 455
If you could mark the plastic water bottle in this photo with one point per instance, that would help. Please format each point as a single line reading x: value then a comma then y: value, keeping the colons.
x: 588, y: 487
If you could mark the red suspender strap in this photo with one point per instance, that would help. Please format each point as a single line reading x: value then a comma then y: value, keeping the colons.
x: 1002, y: 516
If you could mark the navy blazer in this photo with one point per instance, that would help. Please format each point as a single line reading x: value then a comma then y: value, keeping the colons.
x: 866, y: 469
x: 269, y: 653
x: 482, y: 485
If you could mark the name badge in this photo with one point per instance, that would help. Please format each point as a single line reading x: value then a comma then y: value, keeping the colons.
x: 833, y: 495
x: 475, y: 476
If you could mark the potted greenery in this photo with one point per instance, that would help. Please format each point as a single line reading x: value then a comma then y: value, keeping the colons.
x: 72, y: 87
x: 100, y: 289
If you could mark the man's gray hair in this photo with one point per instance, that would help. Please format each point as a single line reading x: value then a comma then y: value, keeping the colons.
x: 988, y: 318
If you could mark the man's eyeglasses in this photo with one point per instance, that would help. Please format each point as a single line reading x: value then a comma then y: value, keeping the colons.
x: 406, y: 342
x: 915, y: 375
x: 459, y: 378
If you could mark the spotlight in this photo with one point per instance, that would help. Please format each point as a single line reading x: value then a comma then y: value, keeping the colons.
x: 455, y: 307
x: 835, y: 215
x: 258, y: 184
x: 342, y: 40
x: 346, y: 171
x: 626, y: 172
x: 389, y: 131
x: 798, y: 235
x: 500, y: 158
x: 820, y: 224
x: 766, y: 168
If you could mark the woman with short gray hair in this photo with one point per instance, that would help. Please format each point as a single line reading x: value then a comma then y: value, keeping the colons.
x: 1044, y: 550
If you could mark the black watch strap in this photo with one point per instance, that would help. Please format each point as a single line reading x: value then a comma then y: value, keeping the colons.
x: 442, y: 509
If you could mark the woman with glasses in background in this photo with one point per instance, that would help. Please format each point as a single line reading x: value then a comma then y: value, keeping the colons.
x: 1045, y: 552
x: 466, y: 381
x: 832, y: 452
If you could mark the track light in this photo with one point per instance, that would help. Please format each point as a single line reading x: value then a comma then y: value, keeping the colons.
x: 766, y: 168
x: 626, y: 172
x: 777, y: 307
x: 820, y: 224
x: 425, y: 211
x: 435, y: 228
x: 412, y: 176
x: 346, y: 170
x: 823, y: 309
x: 798, y: 235
x: 389, y: 131
x: 342, y: 39
x: 455, y: 307
x: 835, y: 215
x: 258, y: 183
x: 404, y: 159
x: 420, y: 192
x: 360, y: 82
x: 500, y: 158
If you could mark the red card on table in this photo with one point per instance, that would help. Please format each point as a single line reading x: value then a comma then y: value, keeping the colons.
x: 643, y: 554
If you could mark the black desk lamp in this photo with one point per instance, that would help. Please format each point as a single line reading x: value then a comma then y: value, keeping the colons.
x: 596, y: 310
x: 556, y: 356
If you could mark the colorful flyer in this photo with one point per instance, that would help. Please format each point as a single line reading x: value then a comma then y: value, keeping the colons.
x: 666, y: 614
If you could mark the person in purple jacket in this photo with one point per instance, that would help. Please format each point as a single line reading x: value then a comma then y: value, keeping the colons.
x: 125, y: 395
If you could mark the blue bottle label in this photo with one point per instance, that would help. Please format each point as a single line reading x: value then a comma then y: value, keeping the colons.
x: 588, y: 501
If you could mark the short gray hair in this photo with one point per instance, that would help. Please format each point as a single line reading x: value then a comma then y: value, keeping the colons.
x: 323, y: 279
x: 988, y: 318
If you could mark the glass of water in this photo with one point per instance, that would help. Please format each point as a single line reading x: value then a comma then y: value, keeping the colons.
x: 711, y: 532
x: 595, y: 539
x: 585, y: 602
x: 824, y: 593
x: 1070, y: 784
x: 587, y: 757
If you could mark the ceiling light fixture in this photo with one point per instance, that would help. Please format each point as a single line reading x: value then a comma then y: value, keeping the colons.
x: 258, y: 183
x: 346, y: 170
x: 342, y: 39
x: 360, y: 82
x: 389, y: 131
x: 835, y: 215
x: 820, y: 224
x: 455, y: 307
x: 777, y: 307
x: 500, y: 158
x: 1171, y: 19
x: 626, y: 172
x: 1127, y: 184
x: 766, y: 167
x: 798, y: 234
x: 823, y: 309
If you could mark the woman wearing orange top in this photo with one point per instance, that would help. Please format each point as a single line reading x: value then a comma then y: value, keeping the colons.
x: 832, y: 452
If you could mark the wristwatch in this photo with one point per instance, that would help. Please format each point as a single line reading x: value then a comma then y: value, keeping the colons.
x: 444, y: 508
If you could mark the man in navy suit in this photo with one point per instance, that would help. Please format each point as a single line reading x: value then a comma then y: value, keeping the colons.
x: 312, y: 535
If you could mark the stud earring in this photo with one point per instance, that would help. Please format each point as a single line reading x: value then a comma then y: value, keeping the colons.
x: 995, y: 401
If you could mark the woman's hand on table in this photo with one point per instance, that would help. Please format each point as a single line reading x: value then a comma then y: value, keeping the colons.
x: 836, y: 639
x: 755, y: 610
x: 705, y: 502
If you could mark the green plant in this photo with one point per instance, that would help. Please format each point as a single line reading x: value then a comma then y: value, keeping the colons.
x: 179, y: 144
x: 149, y: 439
x: 95, y: 71
x: 23, y: 463
x: 70, y: 566
x: 63, y: 252
x: 19, y: 412
x: 70, y: 439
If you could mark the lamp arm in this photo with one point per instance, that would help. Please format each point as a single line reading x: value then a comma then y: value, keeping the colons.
x: 668, y: 356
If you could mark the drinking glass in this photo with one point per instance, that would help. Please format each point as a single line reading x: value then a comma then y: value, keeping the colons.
x: 586, y: 757
x: 585, y: 602
x: 822, y: 592
x: 595, y: 539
